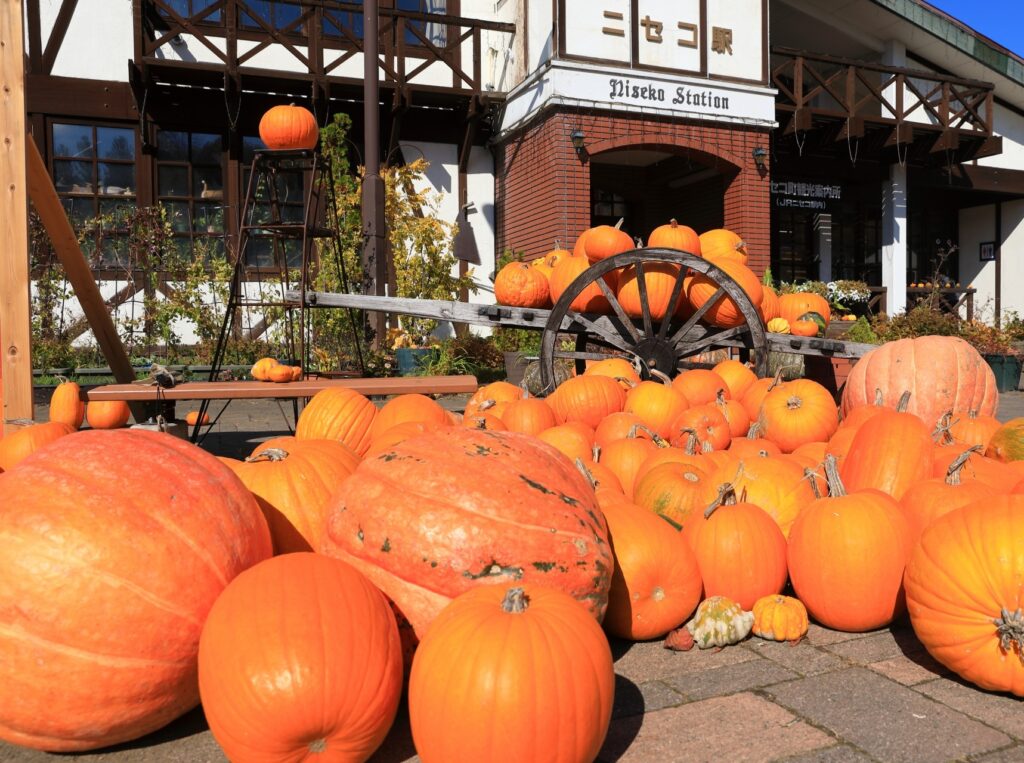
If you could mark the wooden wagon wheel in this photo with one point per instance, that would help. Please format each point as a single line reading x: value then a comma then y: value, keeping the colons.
x: 660, y: 348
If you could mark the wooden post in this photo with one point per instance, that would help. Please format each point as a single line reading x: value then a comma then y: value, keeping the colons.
x: 76, y: 267
x: 16, y: 356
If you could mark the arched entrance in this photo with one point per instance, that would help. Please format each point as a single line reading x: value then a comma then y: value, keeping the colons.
x: 647, y: 185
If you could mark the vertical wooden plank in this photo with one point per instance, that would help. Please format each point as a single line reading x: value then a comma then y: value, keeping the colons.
x: 15, y: 354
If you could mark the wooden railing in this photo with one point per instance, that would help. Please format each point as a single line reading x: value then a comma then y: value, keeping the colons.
x: 321, y: 35
x: 817, y: 85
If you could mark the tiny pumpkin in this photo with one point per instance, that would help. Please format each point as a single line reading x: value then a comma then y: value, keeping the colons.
x: 279, y: 374
x: 780, y: 326
x: 780, y: 618
x: 261, y: 367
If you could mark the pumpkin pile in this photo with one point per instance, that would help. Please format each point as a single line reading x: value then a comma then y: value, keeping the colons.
x: 542, y: 281
x: 497, y: 551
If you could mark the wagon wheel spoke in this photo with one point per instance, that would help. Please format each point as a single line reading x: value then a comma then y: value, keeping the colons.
x: 686, y: 349
x: 692, y: 321
x: 617, y: 308
x: 670, y: 311
x: 645, y: 306
x: 613, y: 340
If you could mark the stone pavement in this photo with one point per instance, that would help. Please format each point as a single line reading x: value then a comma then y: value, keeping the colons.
x: 833, y: 698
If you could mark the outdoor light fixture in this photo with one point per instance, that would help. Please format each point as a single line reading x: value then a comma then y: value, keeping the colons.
x: 759, y: 154
x: 577, y: 137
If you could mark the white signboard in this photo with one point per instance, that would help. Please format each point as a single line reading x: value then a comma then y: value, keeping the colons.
x: 714, y: 38
x: 595, y: 86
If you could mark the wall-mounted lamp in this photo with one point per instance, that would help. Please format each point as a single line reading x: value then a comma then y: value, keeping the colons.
x: 578, y: 137
x: 759, y: 154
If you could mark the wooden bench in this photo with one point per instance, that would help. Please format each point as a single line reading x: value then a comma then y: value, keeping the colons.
x: 254, y: 390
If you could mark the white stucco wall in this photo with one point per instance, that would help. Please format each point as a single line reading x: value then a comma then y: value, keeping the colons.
x: 98, y: 43
x: 977, y: 224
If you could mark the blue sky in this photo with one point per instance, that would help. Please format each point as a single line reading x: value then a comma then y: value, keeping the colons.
x: 1000, y: 20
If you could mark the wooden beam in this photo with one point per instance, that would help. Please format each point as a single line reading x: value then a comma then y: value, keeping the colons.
x: 56, y: 39
x: 16, y: 355
x: 76, y: 267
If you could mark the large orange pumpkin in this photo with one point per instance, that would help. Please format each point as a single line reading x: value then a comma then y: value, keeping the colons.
x: 402, y: 432
x: 737, y: 377
x: 531, y: 415
x: 624, y: 458
x: 846, y: 558
x: 972, y: 429
x: 656, y: 404
x: 890, y: 452
x: 603, y: 241
x: 300, y: 657
x: 289, y: 127
x: 801, y: 412
x: 963, y: 585
x: 721, y: 244
x: 591, y: 299
x: 523, y: 657
x: 66, y: 405
x: 615, y: 426
x: 475, y: 485
x: 491, y: 394
x: 675, y: 236
x: 587, y: 399
x: 656, y: 584
x: 619, y: 369
x: 573, y: 440
x: 671, y: 490
x: 932, y: 498
x: 410, y: 407
x: 22, y: 443
x: 293, y: 483
x: 660, y: 279
x: 702, y: 428
x: 700, y: 386
x: 795, y: 306
x: 770, y: 307
x: 107, y: 414
x: 724, y: 312
x: 740, y: 550
x: 519, y: 285
x: 116, y: 544
x: 339, y: 414
x: 1007, y: 442
x: 942, y: 373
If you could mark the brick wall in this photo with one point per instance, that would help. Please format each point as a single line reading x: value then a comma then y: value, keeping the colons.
x: 543, y: 188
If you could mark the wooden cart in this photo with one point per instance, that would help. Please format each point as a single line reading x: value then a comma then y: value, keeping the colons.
x: 659, y: 348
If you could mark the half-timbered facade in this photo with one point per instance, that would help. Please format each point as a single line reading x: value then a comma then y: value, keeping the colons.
x: 842, y: 139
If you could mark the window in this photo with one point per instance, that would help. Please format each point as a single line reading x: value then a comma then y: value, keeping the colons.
x: 188, y: 8
x: 607, y: 207
x: 93, y: 169
x: 793, y: 245
x: 190, y: 184
x: 289, y: 198
x: 334, y: 21
x: 273, y: 13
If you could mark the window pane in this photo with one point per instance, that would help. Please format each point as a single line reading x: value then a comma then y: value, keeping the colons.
x: 206, y: 183
x: 178, y: 215
x: 117, y: 179
x: 115, y: 143
x: 72, y: 141
x: 206, y: 148
x: 260, y: 8
x: 209, y: 218
x: 285, y: 14
x: 73, y: 177
x: 78, y: 209
x: 116, y: 205
x: 259, y: 252
x: 173, y: 146
x: 179, y: 6
x: 291, y: 213
x: 250, y: 145
x: 293, y: 253
x: 289, y: 187
x: 172, y: 181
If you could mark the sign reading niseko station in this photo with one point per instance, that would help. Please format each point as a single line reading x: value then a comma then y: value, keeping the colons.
x: 706, y: 59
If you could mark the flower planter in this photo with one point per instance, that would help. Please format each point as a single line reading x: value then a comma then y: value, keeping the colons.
x: 1007, y: 369
x: 412, y: 360
x: 515, y: 367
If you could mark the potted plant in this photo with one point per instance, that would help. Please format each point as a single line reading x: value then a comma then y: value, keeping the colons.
x: 413, y: 352
x: 519, y: 347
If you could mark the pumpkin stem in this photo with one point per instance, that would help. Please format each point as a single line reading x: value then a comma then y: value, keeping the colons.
x: 793, y: 402
x: 660, y: 376
x: 941, y: 435
x: 596, y: 452
x: 904, y: 402
x: 61, y: 379
x: 953, y: 472
x: 726, y: 497
x: 836, y: 489
x: 673, y: 223
x: 754, y: 432
x: 812, y: 476
x: 1010, y: 629
x: 618, y: 225
x: 479, y: 422
x: 515, y: 601
x: 879, y: 398
x: 318, y: 746
x: 586, y: 473
x: 485, y: 404
x: 623, y: 380
x: 270, y: 454
x: 655, y: 437
x: 778, y: 375
x: 558, y: 243
x: 690, y: 448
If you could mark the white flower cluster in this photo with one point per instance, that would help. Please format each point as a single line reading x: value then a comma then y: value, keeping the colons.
x: 846, y: 291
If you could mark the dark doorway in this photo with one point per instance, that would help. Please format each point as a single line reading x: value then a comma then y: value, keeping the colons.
x: 793, y: 255
x: 647, y: 188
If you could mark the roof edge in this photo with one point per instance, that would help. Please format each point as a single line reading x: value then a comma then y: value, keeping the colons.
x: 960, y: 36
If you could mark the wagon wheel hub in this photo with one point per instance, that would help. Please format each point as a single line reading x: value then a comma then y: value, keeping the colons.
x: 657, y: 355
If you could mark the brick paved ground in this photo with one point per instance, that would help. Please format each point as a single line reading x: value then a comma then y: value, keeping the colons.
x: 833, y: 698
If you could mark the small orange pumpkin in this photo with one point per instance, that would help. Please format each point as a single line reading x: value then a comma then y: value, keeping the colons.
x: 279, y: 374
x: 66, y: 405
x: 519, y: 285
x: 107, y: 414
x: 721, y: 244
x: 261, y: 368
x: 192, y: 418
x: 803, y: 328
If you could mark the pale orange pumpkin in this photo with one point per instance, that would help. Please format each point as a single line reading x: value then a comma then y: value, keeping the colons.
x: 21, y: 443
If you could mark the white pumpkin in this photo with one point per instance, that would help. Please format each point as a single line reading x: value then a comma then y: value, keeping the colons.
x: 719, y: 621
